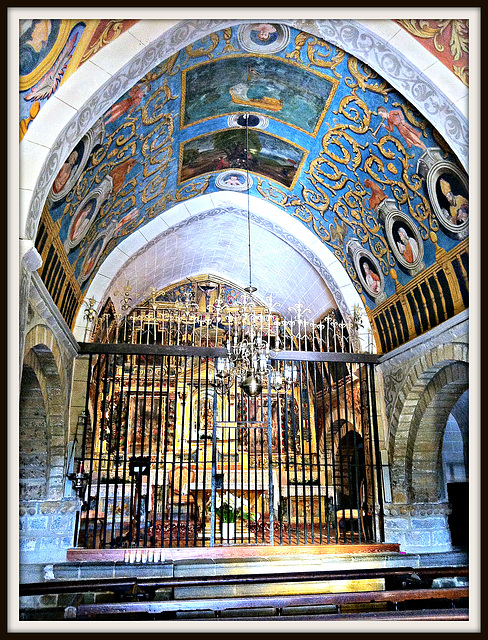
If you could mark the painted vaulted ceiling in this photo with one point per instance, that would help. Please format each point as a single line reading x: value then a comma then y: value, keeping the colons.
x: 357, y: 194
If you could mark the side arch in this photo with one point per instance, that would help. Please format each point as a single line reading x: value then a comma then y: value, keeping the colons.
x: 42, y: 358
x: 415, y: 449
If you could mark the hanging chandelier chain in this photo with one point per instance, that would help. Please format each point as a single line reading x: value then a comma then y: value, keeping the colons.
x: 248, y: 205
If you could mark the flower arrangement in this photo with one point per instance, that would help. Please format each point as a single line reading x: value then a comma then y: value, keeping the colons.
x: 229, y: 508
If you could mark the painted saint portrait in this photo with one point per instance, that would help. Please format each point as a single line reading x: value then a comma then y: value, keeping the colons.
x: 453, y: 199
x: 86, y: 213
x: 82, y: 219
x: 233, y: 180
x: 263, y: 33
x: 263, y: 37
x: 448, y: 189
x: 62, y: 180
x: 405, y: 243
x: 91, y: 258
x: 370, y: 276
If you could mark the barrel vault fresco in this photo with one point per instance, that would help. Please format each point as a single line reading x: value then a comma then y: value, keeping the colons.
x: 331, y: 144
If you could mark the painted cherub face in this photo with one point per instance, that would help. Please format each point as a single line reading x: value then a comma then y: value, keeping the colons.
x: 264, y: 31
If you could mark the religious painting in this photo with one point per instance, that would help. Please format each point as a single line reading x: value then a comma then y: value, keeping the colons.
x: 74, y: 164
x: 448, y: 191
x: 288, y: 437
x: 268, y: 155
x: 144, y: 417
x: 37, y: 38
x: 278, y: 88
x: 45, y: 51
x: 82, y: 219
x: 405, y: 242
x: 92, y: 255
x: 263, y: 37
x: 368, y: 270
x: 86, y: 213
x: 233, y: 180
x: 450, y: 197
x: 370, y: 276
x: 68, y: 169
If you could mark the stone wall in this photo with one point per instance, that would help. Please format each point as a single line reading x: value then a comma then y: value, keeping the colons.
x: 418, y: 528
x: 33, y: 459
x: 46, y: 529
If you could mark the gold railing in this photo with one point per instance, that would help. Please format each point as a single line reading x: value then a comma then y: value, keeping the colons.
x: 56, y: 272
x: 438, y: 293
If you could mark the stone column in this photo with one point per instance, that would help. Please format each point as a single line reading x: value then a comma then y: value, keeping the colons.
x: 418, y: 528
x: 30, y: 261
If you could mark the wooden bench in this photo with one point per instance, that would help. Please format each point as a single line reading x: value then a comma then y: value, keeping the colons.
x: 134, y: 596
x: 217, y: 605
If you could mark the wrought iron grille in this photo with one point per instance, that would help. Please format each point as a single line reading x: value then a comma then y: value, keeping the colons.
x: 172, y: 460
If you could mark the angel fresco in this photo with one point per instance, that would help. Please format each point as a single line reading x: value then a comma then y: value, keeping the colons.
x: 128, y: 217
x: 263, y: 32
x: 377, y: 196
x: 234, y: 180
x: 33, y: 42
x: 119, y: 173
x: 51, y: 80
x: 127, y: 105
x: 396, y: 119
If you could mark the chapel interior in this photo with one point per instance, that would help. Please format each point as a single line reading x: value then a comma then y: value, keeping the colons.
x: 243, y: 314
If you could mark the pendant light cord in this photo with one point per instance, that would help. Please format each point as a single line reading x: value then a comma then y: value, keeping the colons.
x: 248, y: 211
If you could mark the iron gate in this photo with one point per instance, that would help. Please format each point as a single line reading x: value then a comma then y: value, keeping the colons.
x: 173, y: 460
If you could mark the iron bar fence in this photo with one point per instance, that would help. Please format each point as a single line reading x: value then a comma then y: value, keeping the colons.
x: 174, y: 460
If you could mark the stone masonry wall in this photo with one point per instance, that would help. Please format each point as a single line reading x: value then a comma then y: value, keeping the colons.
x: 418, y: 528
x: 46, y: 530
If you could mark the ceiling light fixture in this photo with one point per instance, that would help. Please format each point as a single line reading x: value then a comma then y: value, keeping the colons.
x: 248, y: 354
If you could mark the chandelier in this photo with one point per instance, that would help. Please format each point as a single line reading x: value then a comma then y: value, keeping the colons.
x: 248, y: 354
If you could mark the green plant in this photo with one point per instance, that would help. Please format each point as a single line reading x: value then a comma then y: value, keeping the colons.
x: 229, y: 508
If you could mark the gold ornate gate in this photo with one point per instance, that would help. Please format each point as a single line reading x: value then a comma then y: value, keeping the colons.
x: 170, y: 459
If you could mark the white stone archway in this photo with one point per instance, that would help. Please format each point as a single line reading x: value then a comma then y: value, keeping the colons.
x: 288, y: 231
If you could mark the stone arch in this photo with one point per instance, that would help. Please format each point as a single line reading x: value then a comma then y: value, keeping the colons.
x: 416, y: 448
x: 40, y: 359
x: 42, y: 335
x: 408, y: 395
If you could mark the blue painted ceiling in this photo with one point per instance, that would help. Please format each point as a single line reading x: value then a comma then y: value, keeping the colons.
x: 322, y: 149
